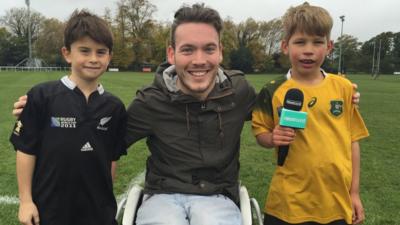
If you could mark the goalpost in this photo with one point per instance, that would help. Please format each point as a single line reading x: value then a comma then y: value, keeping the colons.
x: 375, y: 69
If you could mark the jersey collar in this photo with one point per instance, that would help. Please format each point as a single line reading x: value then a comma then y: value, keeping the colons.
x: 71, y: 85
x: 289, y: 74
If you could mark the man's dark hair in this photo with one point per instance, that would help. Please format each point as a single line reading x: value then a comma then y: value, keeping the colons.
x: 83, y: 23
x: 198, y: 13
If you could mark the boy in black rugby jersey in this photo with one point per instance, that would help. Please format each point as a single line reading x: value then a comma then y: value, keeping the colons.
x: 70, y: 134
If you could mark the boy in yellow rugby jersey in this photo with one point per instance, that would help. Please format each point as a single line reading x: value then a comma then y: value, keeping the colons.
x: 319, y: 181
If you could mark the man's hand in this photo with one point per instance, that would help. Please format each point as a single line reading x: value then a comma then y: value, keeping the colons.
x: 356, y: 95
x: 358, y: 209
x: 19, y: 105
x: 282, y: 135
x: 28, y: 214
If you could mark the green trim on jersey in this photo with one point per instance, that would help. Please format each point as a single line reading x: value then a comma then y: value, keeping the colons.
x: 266, y: 94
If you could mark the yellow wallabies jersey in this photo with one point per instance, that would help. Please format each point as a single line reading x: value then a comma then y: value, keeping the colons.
x: 314, y: 183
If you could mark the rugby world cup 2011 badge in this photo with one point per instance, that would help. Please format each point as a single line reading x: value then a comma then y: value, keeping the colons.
x: 63, y: 122
x: 336, y: 107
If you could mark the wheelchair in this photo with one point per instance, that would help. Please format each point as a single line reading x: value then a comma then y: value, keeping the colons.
x: 128, y: 206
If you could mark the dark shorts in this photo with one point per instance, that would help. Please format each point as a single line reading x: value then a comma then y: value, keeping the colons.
x: 271, y: 220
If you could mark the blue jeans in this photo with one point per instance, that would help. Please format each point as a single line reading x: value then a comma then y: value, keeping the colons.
x: 187, y: 209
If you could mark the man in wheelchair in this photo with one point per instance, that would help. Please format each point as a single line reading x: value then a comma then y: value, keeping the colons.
x: 192, y: 116
x: 129, y: 204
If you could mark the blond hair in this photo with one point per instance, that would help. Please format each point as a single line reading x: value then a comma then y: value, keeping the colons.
x: 308, y: 19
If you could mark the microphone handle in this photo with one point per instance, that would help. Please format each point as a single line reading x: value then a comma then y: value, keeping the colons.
x: 282, y: 153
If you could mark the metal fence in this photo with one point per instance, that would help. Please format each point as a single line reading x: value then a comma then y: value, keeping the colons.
x: 38, y: 69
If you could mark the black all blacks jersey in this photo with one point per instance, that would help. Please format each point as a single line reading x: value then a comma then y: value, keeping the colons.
x: 74, y: 141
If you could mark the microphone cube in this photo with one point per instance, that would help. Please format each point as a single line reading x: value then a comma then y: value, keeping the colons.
x: 293, y: 119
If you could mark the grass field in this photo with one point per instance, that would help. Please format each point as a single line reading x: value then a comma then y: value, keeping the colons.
x: 380, y: 183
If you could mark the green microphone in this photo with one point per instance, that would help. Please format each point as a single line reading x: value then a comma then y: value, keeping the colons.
x: 292, y: 117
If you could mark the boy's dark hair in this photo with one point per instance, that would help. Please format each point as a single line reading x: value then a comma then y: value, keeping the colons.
x: 309, y: 19
x: 83, y: 23
x: 198, y: 13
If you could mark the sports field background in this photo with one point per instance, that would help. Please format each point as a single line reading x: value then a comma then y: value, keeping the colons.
x: 380, y: 107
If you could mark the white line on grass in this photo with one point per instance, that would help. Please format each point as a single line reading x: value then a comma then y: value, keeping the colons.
x: 138, y: 180
x: 8, y: 200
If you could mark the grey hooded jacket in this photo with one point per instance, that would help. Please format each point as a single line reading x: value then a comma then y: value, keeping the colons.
x: 194, y: 144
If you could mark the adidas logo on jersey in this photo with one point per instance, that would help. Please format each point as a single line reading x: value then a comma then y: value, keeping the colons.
x: 86, y: 147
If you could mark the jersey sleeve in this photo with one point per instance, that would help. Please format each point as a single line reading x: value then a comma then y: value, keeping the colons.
x: 262, y: 119
x: 120, y: 144
x: 358, y: 128
x: 27, y: 132
x: 251, y: 96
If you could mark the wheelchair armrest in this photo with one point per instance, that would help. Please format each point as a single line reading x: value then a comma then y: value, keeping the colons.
x: 133, y: 200
x: 251, y: 213
x: 245, y: 206
x: 120, y: 208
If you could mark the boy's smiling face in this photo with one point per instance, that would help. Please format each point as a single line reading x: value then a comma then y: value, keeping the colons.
x: 306, y: 53
x: 88, y: 59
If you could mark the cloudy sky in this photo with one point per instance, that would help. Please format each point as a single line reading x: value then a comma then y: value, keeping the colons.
x: 363, y: 18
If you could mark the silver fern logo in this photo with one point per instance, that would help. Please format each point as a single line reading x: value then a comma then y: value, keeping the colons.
x: 103, y: 122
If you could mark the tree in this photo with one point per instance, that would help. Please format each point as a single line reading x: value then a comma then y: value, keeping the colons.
x: 12, y: 48
x: 4, y: 45
x: 396, y: 44
x: 107, y: 16
x: 350, y: 52
x: 281, y: 62
x: 367, y: 54
x: 256, y: 48
x: 229, y: 40
x: 396, y: 51
x: 16, y: 20
x: 50, y: 42
x: 261, y: 39
x: 384, y: 41
x: 247, y: 32
x: 158, y: 43
x: 269, y: 43
x: 136, y: 16
x: 242, y: 59
x: 271, y: 33
x: 122, y: 55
